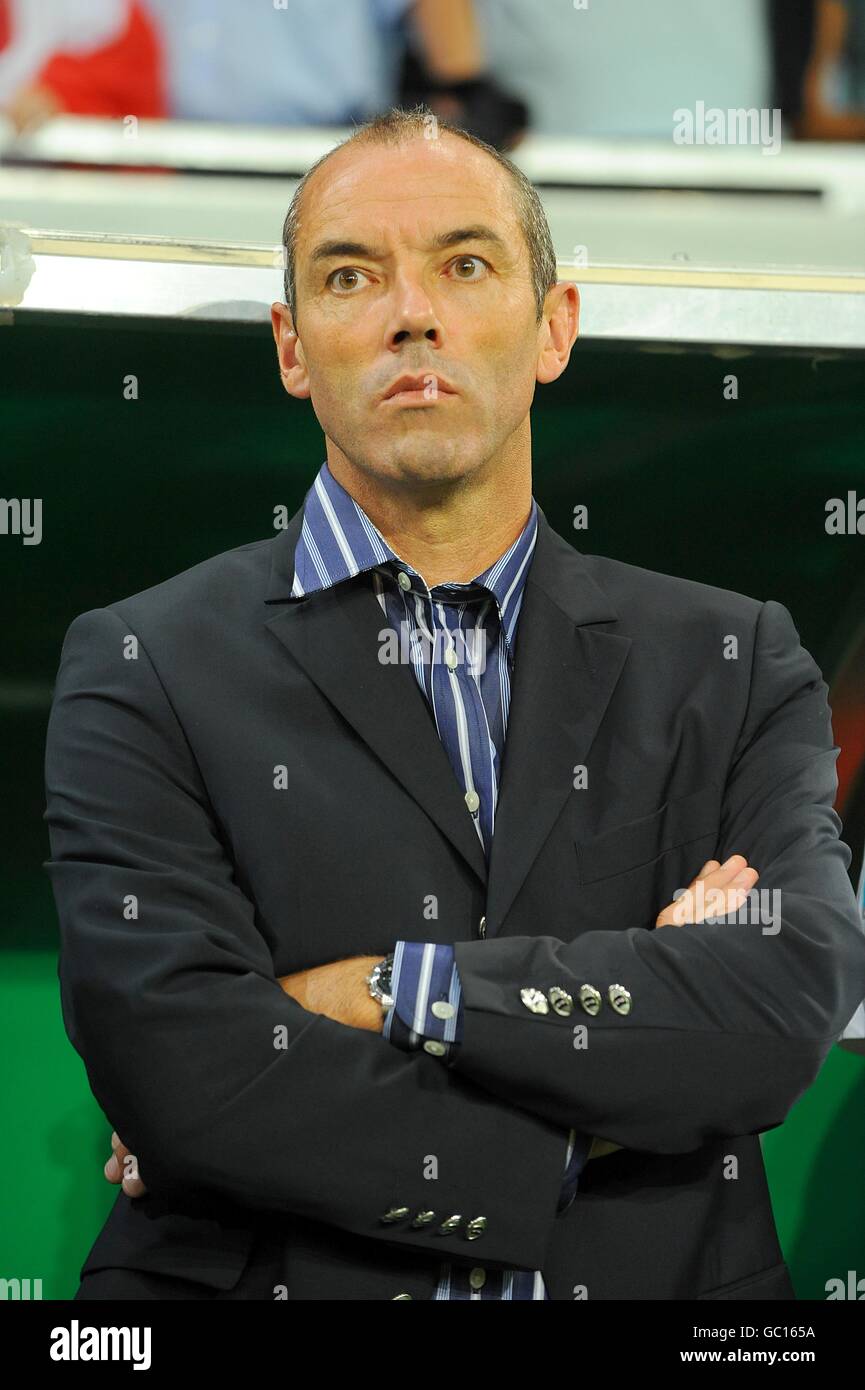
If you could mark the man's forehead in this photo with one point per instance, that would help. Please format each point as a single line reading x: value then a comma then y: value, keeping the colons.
x: 409, y: 184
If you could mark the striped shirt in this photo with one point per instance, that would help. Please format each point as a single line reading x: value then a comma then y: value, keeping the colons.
x: 459, y: 639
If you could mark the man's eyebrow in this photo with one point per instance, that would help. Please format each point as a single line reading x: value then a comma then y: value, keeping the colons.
x: 477, y: 233
x: 329, y: 250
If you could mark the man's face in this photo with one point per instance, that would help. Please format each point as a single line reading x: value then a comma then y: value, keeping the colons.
x: 411, y: 261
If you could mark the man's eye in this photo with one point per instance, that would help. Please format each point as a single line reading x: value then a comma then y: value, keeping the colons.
x: 341, y: 279
x: 471, y: 262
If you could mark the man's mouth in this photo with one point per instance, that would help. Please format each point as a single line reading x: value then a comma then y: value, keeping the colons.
x: 422, y: 388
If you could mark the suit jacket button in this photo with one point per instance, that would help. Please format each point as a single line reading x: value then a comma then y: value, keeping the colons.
x: 620, y: 999
x: 590, y: 999
x: 449, y: 1225
x: 434, y: 1047
x: 424, y: 1218
x: 394, y: 1214
x: 476, y: 1227
x: 535, y: 1000
x: 561, y: 1001
x: 442, y: 1009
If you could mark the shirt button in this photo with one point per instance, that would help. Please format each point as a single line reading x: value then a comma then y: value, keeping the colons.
x: 403, y: 580
x: 478, y: 1278
x: 473, y: 801
x: 441, y: 1009
x: 434, y: 1048
x: 452, y: 661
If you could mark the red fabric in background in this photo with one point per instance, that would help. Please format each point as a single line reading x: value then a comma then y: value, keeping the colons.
x: 123, y: 78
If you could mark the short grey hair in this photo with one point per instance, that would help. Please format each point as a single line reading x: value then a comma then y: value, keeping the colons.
x: 393, y: 128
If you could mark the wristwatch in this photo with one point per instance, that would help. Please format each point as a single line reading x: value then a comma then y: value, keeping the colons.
x: 379, y: 982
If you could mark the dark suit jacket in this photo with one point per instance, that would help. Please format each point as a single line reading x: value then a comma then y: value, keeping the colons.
x: 238, y: 789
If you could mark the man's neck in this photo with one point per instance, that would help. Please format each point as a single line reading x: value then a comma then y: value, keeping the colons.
x: 453, y: 537
x: 442, y: 557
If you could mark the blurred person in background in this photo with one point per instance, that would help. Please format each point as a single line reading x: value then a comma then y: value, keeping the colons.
x: 88, y: 57
x: 471, y: 98
x: 819, y: 54
x: 327, y: 62
x: 622, y: 67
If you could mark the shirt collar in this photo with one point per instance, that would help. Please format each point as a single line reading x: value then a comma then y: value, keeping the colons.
x: 338, y: 541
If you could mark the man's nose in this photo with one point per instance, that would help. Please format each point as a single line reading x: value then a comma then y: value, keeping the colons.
x: 414, y: 315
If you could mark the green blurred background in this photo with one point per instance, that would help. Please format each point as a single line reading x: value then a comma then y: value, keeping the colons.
x: 676, y: 478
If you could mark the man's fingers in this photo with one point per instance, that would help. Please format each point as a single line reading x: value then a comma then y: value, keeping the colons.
x: 122, y: 1167
x: 731, y: 869
x: 723, y: 890
x: 735, y: 872
x: 736, y: 864
x: 132, y: 1184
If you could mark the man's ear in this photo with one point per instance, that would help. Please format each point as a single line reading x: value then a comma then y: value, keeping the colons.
x: 559, y: 328
x: 292, y: 365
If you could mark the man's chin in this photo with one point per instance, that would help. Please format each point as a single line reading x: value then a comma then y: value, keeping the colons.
x: 426, y: 456
x: 429, y: 465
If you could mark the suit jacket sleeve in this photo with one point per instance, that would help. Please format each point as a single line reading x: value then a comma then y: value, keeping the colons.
x: 728, y: 1023
x: 217, y: 1080
x: 425, y: 973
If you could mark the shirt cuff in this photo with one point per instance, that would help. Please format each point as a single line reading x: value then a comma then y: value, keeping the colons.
x: 425, y: 984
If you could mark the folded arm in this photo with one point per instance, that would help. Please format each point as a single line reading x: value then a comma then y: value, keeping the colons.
x: 729, y: 1022
x: 218, y: 1081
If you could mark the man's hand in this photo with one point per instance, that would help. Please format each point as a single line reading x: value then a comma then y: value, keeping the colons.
x: 122, y: 1167
x: 339, y: 991
x: 724, y: 888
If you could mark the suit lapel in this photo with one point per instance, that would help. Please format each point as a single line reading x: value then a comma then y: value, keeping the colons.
x: 335, y: 637
x: 565, y: 672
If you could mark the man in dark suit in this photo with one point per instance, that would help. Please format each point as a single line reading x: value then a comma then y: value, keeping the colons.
x: 398, y: 858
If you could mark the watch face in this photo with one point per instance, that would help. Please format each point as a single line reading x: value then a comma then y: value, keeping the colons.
x: 380, y: 980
